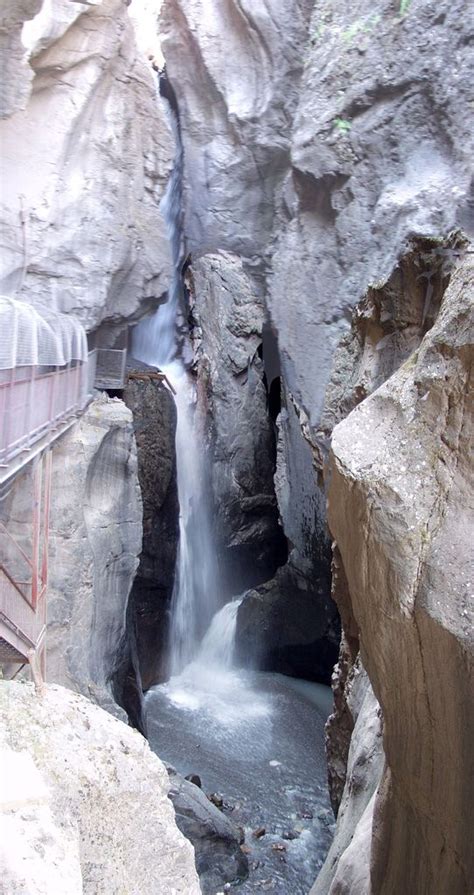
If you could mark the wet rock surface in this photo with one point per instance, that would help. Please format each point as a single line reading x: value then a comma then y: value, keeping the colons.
x: 284, y: 626
x: 229, y: 309
x: 215, y: 837
x: 154, y: 421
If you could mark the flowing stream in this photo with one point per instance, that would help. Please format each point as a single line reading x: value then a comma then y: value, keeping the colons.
x: 254, y: 737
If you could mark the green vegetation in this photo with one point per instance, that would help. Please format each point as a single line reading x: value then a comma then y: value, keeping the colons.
x: 404, y: 6
x: 361, y: 26
x: 342, y: 125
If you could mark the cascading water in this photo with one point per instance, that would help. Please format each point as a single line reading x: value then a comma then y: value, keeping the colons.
x: 156, y: 342
x: 248, y: 734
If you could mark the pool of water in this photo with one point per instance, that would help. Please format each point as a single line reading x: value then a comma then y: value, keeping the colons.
x: 258, y: 740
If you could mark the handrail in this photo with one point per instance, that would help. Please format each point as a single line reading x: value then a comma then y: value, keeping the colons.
x: 36, y: 402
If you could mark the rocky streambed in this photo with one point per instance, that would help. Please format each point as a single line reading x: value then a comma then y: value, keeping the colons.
x: 257, y: 743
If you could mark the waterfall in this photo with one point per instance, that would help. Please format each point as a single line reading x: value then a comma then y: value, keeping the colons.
x: 159, y: 341
x: 217, y: 647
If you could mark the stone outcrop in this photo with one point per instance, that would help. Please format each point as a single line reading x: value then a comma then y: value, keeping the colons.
x: 154, y: 422
x: 400, y: 473
x: 84, y: 808
x: 288, y: 625
x: 95, y: 542
x: 361, y: 765
x: 378, y: 154
x: 235, y: 68
x: 229, y: 310
x: 216, y: 840
x: 86, y: 154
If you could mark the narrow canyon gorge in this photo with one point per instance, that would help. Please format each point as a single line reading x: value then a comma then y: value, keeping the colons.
x: 236, y: 475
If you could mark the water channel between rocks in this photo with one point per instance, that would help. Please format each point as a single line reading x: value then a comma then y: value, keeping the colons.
x: 258, y: 740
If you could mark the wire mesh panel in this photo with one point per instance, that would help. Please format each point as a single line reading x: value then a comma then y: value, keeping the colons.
x: 110, y: 369
x: 43, y: 373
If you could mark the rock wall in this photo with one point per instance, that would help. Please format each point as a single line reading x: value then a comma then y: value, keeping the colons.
x: 230, y: 313
x: 86, y: 154
x: 63, y: 779
x: 154, y: 421
x: 400, y: 471
x: 236, y: 83
x: 95, y: 541
x: 337, y: 168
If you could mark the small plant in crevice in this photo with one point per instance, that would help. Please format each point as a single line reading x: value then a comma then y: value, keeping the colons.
x: 343, y: 125
x: 404, y: 7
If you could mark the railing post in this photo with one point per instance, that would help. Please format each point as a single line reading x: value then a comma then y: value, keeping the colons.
x: 8, y: 410
x: 48, y: 461
x: 36, y: 531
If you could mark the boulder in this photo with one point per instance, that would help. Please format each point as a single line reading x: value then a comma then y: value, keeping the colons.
x: 284, y: 625
x: 216, y: 840
x: 84, y: 808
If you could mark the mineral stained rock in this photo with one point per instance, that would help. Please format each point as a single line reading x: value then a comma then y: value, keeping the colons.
x: 85, y: 808
x: 401, y: 471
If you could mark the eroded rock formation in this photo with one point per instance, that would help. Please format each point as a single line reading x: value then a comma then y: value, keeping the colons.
x: 401, y: 471
x: 341, y: 181
x: 229, y: 308
x: 154, y: 422
x: 85, y: 808
x: 95, y: 541
x: 86, y: 153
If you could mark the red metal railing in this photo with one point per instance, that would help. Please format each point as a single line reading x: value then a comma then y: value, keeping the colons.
x: 24, y: 573
x: 34, y: 400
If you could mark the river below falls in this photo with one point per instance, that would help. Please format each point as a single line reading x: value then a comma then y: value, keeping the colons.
x: 258, y: 740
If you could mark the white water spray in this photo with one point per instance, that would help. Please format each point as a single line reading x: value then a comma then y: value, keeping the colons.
x: 196, y: 595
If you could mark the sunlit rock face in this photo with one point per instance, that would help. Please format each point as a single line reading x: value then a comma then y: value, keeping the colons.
x: 86, y: 153
x: 401, y: 468
x: 95, y: 541
x: 84, y: 806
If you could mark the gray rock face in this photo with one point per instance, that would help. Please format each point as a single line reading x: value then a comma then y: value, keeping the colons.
x: 154, y: 422
x: 287, y: 625
x: 216, y: 840
x: 230, y: 313
x: 364, y: 766
x: 236, y: 83
x: 330, y: 171
x: 95, y: 541
x: 16, y: 73
x: 379, y: 152
x: 86, y: 153
x: 86, y: 810
x: 400, y: 469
